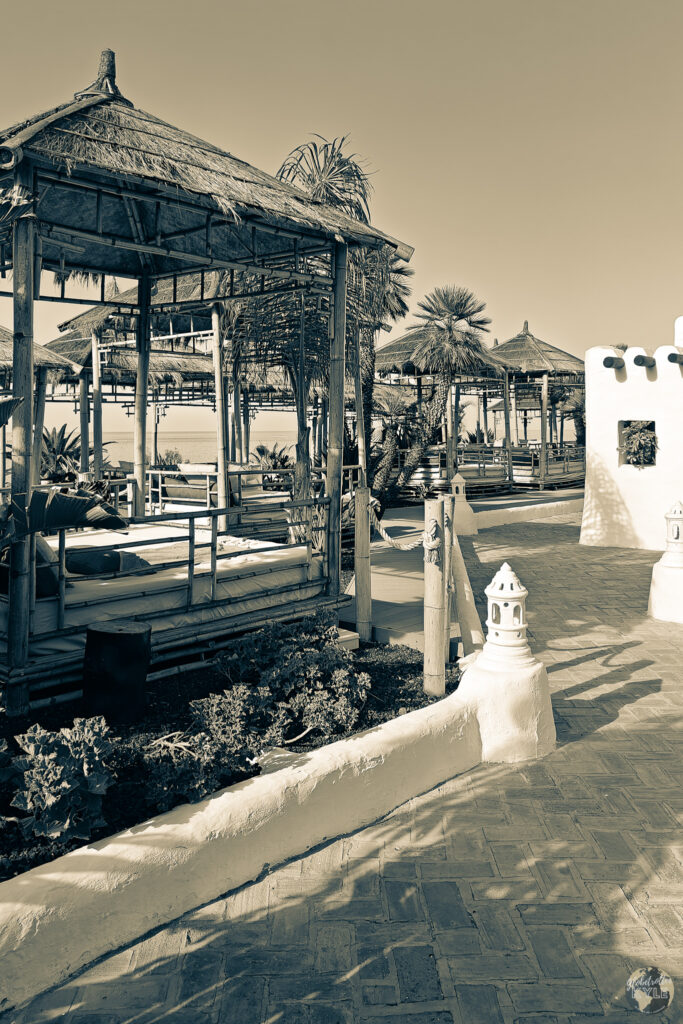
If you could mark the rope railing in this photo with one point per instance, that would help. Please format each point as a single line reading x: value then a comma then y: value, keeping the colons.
x: 420, y: 542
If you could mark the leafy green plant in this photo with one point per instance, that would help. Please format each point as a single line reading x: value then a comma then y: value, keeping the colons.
x: 169, y: 459
x: 64, y: 778
x: 477, y: 436
x: 638, y: 442
x: 288, y: 680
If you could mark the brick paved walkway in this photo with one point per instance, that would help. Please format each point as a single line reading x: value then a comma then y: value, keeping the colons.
x: 511, y: 894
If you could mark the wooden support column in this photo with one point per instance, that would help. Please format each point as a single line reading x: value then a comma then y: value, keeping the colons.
x: 97, y: 458
x: 544, y: 427
x: 448, y: 603
x: 515, y: 414
x: 141, y: 388
x: 456, y: 424
x: 362, y: 566
x: 221, y: 434
x: 23, y: 263
x: 335, y: 447
x: 360, y: 427
x: 323, y: 429
x: 302, y: 465
x: 450, y: 437
x: 38, y: 423
x: 237, y: 413
x: 246, y: 416
x: 485, y: 415
x: 314, y: 430
x: 434, y: 661
x: 83, y: 410
x: 508, y: 438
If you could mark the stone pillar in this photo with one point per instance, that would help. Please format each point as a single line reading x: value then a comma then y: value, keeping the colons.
x: 666, y: 589
x: 465, y: 519
x: 506, y: 683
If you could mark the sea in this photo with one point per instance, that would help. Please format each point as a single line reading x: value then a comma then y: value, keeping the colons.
x: 194, y: 446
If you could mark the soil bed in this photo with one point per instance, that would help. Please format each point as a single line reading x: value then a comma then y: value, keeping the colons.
x: 396, y: 688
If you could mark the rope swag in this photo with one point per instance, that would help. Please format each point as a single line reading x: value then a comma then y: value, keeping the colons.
x: 428, y: 540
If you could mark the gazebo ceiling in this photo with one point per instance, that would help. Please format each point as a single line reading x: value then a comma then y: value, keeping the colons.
x: 530, y: 355
x: 121, y: 192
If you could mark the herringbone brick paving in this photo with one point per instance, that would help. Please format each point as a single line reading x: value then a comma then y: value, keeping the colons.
x: 511, y: 894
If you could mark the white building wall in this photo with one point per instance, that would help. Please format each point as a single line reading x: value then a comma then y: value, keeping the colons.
x: 625, y: 505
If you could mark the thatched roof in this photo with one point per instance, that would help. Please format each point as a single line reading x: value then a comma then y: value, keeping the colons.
x: 119, y: 363
x: 531, y: 355
x: 115, y: 315
x: 100, y: 140
x: 41, y: 356
x: 398, y: 357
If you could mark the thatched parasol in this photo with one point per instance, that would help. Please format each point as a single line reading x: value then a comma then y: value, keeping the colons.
x: 530, y: 355
x: 398, y: 357
x: 119, y: 362
x: 61, y: 365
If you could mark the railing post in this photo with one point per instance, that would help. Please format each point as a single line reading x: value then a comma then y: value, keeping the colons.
x: 434, y: 662
x: 61, y: 599
x: 190, y: 564
x: 362, y: 565
x: 214, y: 552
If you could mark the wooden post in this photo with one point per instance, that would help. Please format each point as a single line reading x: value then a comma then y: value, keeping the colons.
x: 418, y: 395
x: 544, y: 425
x: 434, y: 662
x: 237, y: 399
x: 96, y: 406
x: 23, y: 265
x: 323, y: 428
x: 485, y: 415
x: 335, y: 448
x: 362, y: 566
x: 221, y: 437
x: 512, y: 385
x: 314, y: 430
x: 141, y: 387
x: 3, y: 458
x: 301, y: 489
x: 456, y: 424
x: 448, y: 528
x: 38, y: 422
x: 360, y: 425
x: 450, y: 437
x: 525, y: 416
x: 83, y: 410
x: 247, y: 424
x: 508, y: 439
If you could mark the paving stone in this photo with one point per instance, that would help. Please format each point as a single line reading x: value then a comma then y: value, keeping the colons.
x: 492, y: 966
x: 610, y: 974
x: 538, y: 997
x: 445, y: 905
x: 379, y: 995
x: 372, y: 963
x: 457, y: 869
x: 553, y: 953
x: 403, y: 901
x: 497, y: 928
x: 557, y: 913
x: 557, y: 879
x: 241, y: 1002
x: 418, y: 978
x: 478, y: 1004
x: 333, y: 951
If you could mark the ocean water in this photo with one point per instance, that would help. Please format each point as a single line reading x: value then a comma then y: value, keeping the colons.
x: 194, y: 446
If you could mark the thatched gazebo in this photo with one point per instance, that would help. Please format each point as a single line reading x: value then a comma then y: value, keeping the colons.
x: 488, y: 378
x: 95, y: 186
x: 532, y: 364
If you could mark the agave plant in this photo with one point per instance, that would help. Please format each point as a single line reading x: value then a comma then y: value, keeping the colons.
x: 55, y: 510
x: 61, y: 452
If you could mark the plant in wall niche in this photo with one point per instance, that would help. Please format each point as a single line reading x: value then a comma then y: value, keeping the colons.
x: 64, y: 778
x: 637, y: 442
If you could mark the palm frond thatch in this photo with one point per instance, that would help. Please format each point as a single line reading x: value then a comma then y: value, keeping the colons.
x: 531, y: 355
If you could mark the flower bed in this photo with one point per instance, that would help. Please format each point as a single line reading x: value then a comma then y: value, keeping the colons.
x: 285, y: 685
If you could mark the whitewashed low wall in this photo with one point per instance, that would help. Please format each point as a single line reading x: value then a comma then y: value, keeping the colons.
x: 60, y: 916
x: 525, y: 513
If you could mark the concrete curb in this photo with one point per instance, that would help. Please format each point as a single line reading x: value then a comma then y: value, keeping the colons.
x: 60, y: 916
x: 526, y: 513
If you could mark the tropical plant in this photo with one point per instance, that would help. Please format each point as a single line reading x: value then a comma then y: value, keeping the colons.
x: 277, y: 457
x: 60, y: 453
x: 477, y: 436
x: 394, y: 407
x: 638, y: 443
x: 57, y: 509
x: 330, y: 175
x: 64, y: 778
x: 451, y: 323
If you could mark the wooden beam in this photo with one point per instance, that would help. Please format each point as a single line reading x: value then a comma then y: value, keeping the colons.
x: 508, y: 436
x: 83, y: 410
x: 96, y: 406
x: 24, y: 236
x: 38, y: 422
x: 335, y: 447
x: 221, y: 434
x: 360, y: 423
x: 141, y: 388
x: 544, y: 427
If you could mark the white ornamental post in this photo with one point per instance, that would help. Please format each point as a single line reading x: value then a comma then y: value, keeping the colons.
x: 666, y: 589
x: 506, y: 683
x: 465, y: 520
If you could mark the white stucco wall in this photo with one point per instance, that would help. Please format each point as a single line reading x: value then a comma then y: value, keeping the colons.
x: 624, y: 506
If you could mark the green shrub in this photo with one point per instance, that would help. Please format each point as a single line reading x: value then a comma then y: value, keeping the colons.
x: 638, y: 442
x: 64, y: 778
x: 288, y: 679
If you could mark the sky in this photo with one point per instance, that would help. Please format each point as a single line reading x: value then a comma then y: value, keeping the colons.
x: 528, y: 149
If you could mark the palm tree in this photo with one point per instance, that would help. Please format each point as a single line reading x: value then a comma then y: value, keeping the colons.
x: 377, y: 288
x: 449, y: 342
x: 393, y: 406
